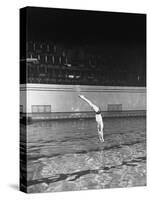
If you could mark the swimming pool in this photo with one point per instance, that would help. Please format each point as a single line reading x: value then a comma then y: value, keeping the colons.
x: 67, y: 155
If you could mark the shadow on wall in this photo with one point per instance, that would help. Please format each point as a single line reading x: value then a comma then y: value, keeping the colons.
x: 14, y: 186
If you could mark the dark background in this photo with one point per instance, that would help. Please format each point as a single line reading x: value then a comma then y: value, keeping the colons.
x: 103, y: 48
x: 86, y: 26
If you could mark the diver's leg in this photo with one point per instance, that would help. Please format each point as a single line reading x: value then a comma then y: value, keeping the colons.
x: 87, y: 100
x: 95, y: 108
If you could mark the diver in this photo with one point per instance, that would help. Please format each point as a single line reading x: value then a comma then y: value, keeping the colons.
x: 98, y: 117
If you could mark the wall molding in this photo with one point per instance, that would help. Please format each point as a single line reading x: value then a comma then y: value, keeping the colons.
x: 80, y: 88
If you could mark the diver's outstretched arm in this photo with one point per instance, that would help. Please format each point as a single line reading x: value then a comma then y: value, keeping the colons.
x: 95, y: 108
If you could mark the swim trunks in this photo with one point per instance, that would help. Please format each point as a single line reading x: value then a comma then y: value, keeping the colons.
x: 98, y: 112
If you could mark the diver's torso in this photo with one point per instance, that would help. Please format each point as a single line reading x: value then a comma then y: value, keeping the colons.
x: 99, y: 119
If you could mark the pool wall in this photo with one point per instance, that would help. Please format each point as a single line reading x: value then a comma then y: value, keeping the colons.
x: 62, y: 101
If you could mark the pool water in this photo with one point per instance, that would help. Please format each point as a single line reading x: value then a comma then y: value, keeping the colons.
x: 67, y: 155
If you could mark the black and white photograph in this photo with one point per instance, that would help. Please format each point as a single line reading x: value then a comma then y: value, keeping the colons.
x: 82, y: 100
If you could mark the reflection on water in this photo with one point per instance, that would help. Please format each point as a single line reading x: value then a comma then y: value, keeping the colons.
x: 67, y: 154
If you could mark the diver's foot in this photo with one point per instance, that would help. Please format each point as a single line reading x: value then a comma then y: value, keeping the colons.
x: 81, y: 96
